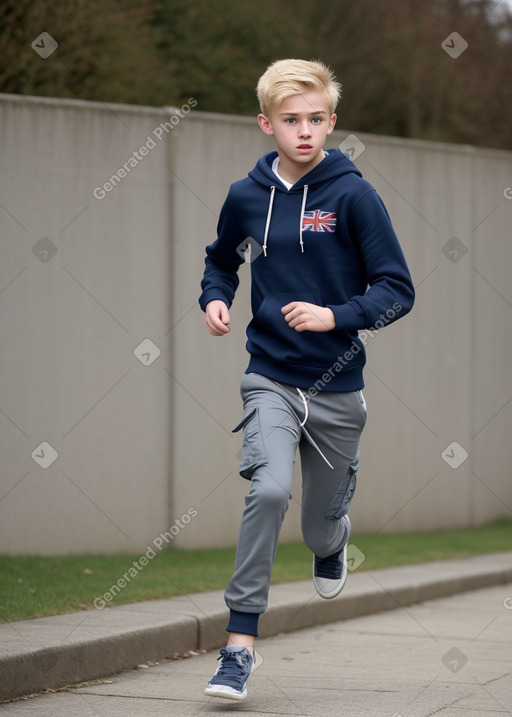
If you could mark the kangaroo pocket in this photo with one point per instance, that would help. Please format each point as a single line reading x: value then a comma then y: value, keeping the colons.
x: 270, y: 336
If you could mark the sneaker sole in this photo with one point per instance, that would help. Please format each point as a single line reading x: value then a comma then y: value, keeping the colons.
x: 335, y: 591
x: 227, y: 693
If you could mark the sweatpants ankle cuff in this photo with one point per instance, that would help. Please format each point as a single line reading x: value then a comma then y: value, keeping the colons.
x: 245, y: 623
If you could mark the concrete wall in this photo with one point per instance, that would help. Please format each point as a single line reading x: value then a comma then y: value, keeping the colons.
x: 144, y: 443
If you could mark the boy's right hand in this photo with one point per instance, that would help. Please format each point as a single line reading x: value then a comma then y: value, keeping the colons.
x: 217, y: 318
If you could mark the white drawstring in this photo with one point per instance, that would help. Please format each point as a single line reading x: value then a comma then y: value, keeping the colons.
x: 304, y: 197
x: 269, y: 214
x: 306, y: 407
x: 306, y: 413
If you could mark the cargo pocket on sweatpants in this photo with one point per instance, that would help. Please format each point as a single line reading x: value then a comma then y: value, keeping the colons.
x: 253, y: 449
x: 345, y: 492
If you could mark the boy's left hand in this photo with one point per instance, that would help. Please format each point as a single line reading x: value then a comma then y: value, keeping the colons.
x: 302, y: 316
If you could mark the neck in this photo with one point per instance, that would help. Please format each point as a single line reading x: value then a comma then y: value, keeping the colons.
x: 292, y: 172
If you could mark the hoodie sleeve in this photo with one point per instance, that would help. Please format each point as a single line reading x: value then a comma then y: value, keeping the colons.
x: 390, y: 287
x: 223, y: 259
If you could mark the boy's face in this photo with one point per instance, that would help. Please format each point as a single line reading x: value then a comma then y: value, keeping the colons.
x: 300, y: 125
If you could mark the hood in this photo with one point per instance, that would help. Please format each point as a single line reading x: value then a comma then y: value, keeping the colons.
x: 334, y: 165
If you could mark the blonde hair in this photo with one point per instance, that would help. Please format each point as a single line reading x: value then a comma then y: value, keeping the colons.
x: 284, y: 78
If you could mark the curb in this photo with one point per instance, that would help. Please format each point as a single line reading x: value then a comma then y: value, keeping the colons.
x: 54, y: 652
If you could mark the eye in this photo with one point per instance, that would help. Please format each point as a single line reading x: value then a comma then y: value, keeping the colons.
x: 316, y: 120
x: 290, y: 120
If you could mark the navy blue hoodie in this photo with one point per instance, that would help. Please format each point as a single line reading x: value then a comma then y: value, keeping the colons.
x: 327, y: 241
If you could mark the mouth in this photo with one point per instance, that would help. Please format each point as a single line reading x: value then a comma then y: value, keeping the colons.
x: 304, y: 147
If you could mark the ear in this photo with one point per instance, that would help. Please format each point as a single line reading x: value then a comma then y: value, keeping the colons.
x: 265, y: 125
x: 332, y: 122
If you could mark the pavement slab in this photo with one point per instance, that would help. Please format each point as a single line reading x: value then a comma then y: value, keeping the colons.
x: 448, y: 657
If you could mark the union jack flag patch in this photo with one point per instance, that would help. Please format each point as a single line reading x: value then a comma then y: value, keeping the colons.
x: 318, y: 221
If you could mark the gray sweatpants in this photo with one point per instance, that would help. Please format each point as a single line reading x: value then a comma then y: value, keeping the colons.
x: 326, y: 428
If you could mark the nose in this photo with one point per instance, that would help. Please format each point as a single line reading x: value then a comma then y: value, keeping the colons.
x: 304, y: 129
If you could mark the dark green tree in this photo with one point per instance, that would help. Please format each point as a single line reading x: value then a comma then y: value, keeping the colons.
x: 397, y: 79
x: 106, y: 49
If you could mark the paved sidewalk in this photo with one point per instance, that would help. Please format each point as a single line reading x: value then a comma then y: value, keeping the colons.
x: 68, y: 649
x: 449, y: 657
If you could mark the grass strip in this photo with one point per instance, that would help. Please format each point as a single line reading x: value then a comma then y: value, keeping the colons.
x: 35, y: 586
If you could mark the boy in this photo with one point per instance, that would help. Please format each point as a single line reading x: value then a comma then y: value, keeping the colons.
x: 325, y: 263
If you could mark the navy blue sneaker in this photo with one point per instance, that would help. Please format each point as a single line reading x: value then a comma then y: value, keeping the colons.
x: 232, y: 674
x: 330, y: 573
